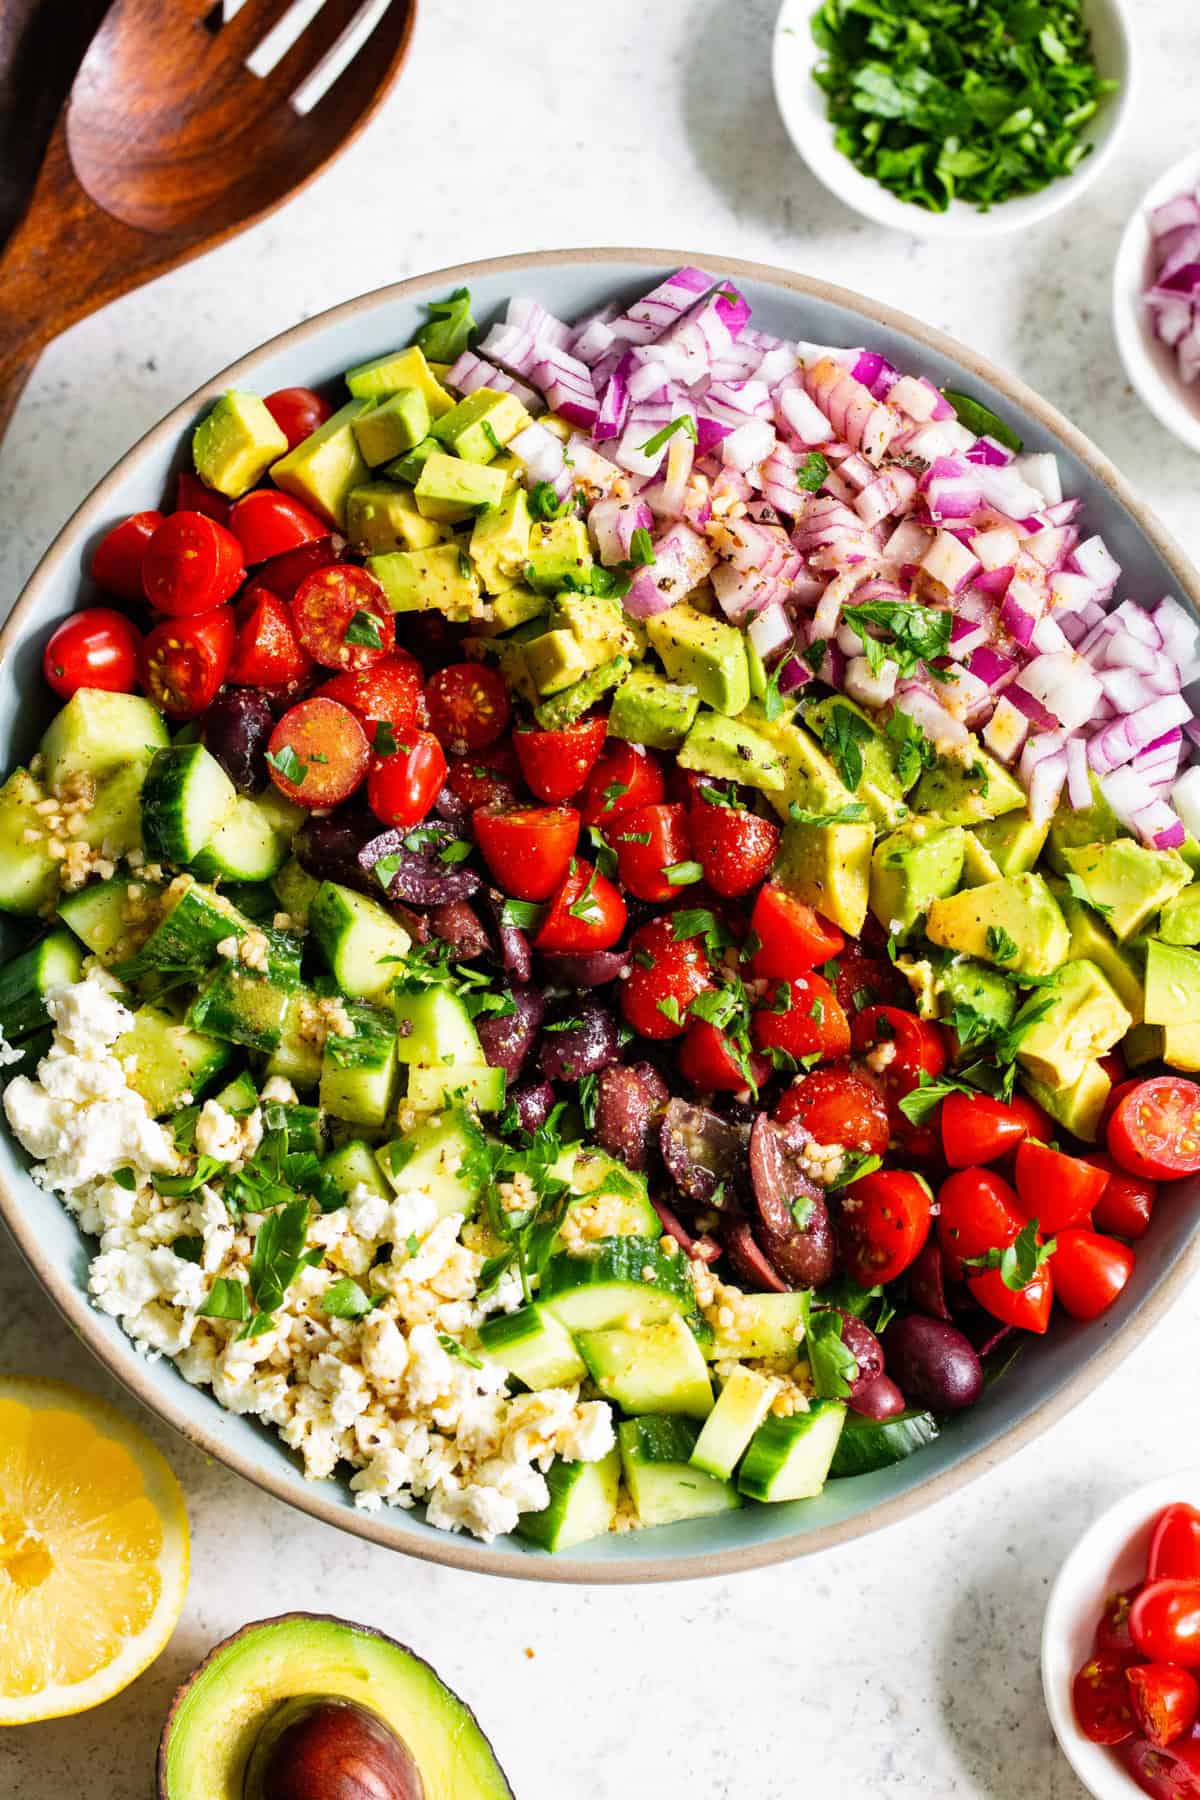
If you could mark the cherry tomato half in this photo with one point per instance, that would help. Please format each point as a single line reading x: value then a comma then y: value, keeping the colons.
x: 710, y: 1060
x: 668, y: 973
x: 490, y: 779
x: 1172, y: 1773
x: 802, y: 1016
x: 117, y: 559
x: 1164, y: 1622
x: 184, y: 661
x: 1103, y: 1709
x: 1165, y: 1701
x: 468, y: 706
x: 735, y: 847
x: 1056, y: 1190
x: 267, y: 523
x: 978, y: 1129
x: 402, y: 784
x: 1125, y: 1205
x: 977, y: 1212
x: 283, y: 574
x: 191, y: 565
x: 556, y: 764
x: 907, y: 1047
x: 1175, y: 1545
x: 298, y: 412
x: 318, y: 753
x: 1155, y: 1129
x: 1112, y: 1629
x: 268, y: 653
x: 838, y: 1106
x: 791, y: 935
x: 95, y: 648
x: 194, y: 495
x: 342, y: 617
x: 625, y: 777
x: 1090, y: 1271
x: 1026, y: 1308
x: 391, y: 691
x: 587, y: 912
x: 884, y: 1223
x: 649, y: 841
x: 527, y: 849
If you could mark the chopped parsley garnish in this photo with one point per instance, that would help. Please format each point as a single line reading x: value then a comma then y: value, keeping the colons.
x: 544, y: 503
x: 125, y: 1178
x: 286, y: 763
x: 527, y: 1231
x: 641, y: 549
x: 813, y: 471
x: 814, y: 655
x: 344, y: 1299
x: 722, y: 796
x: 856, y: 1164
x: 690, y: 922
x: 602, y: 850
x: 227, y: 1299
x: 669, y: 1008
x: 616, y: 790
x: 682, y: 874
x: 774, y: 703
x: 654, y: 444
x: 1079, y: 888
x: 450, y: 329
x: 384, y: 741
x: 842, y: 739
x: 853, y: 813
x: 727, y: 1008
x: 455, y: 852
x: 586, y: 904
x: 1020, y: 1262
x: 913, y: 750
x: 525, y: 914
x: 832, y: 1362
x: 587, y: 1086
x: 464, y: 566
x: 918, y: 633
x: 1000, y: 944
x: 364, y: 628
x: 452, y: 1347
x: 188, y: 1249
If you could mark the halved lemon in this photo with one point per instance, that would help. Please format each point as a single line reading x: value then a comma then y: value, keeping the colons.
x: 93, y: 1551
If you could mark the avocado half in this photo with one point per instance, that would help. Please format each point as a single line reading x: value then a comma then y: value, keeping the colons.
x: 245, y: 1688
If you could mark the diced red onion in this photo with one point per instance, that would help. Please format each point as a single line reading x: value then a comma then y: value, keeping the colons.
x: 794, y: 673
x: 567, y: 385
x: 612, y: 524
x: 949, y: 563
x: 992, y: 455
x: 749, y: 445
x: 770, y: 631
x: 658, y: 310
x: 1185, y: 798
x: 866, y: 686
x: 540, y: 453
x: 1079, y: 780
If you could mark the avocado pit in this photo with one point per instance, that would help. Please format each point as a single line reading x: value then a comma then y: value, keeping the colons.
x: 323, y: 1747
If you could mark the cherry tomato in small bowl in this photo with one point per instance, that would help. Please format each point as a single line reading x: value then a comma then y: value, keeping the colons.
x: 95, y: 648
x: 298, y: 412
x: 404, y: 781
x: 1164, y: 1621
x: 1103, y: 1707
x: 1165, y: 1700
x: 468, y: 706
x: 194, y: 495
x: 1175, y: 1545
x: 191, y: 565
x: 184, y: 661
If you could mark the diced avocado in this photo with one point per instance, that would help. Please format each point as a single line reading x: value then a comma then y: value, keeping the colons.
x: 500, y: 542
x: 922, y: 978
x: 983, y: 991
x: 403, y: 368
x: 439, y: 579
x: 732, y: 750
x: 583, y: 1503
x: 450, y: 490
x: 1084, y: 1020
x: 649, y: 1369
x: 382, y: 517
x: 1190, y: 852
x: 1181, y: 1047
x: 1093, y: 940
x: 393, y: 427
x: 407, y: 468
x: 810, y: 779
x: 1015, y: 923
x: 236, y: 444
x: 325, y: 467
x: 1077, y: 1107
x: 1180, y: 922
x: 879, y: 787
x: 560, y: 554
x: 979, y: 865
x: 1142, y: 1044
x: 911, y: 867
x: 705, y: 653
x: 1172, y: 984
x: 28, y: 873
x: 571, y: 703
x: 828, y: 867
x: 1072, y: 827
x: 555, y: 660
x: 600, y: 623
x: 648, y: 709
x: 1014, y: 842
x: 1127, y: 882
x: 756, y: 669
x: 513, y: 607
x: 478, y: 427
x: 967, y: 789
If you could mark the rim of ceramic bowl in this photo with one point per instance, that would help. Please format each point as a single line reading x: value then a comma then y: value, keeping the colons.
x: 1151, y: 366
x: 793, y: 54
x: 119, y: 1356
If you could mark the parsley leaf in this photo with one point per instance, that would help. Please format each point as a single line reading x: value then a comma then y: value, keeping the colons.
x: 833, y: 1364
x: 227, y: 1299
x: 813, y: 471
x: 918, y: 633
x: 279, y: 1254
x: 1020, y: 1262
x: 842, y: 739
x: 288, y: 764
x: 853, y: 813
x: 690, y: 922
x: 544, y: 503
x: 364, y: 628
x: 855, y: 1165
x: 384, y: 741
x: 914, y: 752
x: 654, y: 444
x: 1000, y: 944
x: 683, y: 874
x: 1079, y: 888
x: 450, y: 329
x: 344, y: 1299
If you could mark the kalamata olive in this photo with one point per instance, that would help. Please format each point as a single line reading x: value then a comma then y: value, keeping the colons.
x: 702, y: 1151
x: 459, y: 925
x: 534, y: 1101
x: 878, y: 1399
x: 508, y: 1038
x: 932, y: 1363
x: 316, y: 1744
x: 794, y: 1227
x: 702, y: 1248
x: 450, y: 806
x: 585, y: 969
x: 864, y: 1347
x: 328, y: 849
x: 430, y: 636
x: 927, y: 1281
x: 629, y: 1100
x: 236, y: 730
x: 985, y: 1333
x: 579, y: 1038
x: 516, y: 958
x: 415, y: 871
x: 748, y: 1259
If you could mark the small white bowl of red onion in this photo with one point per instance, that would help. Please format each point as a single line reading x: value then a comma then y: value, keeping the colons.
x: 1156, y: 300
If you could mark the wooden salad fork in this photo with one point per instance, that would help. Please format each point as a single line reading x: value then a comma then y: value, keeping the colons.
x: 185, y: 123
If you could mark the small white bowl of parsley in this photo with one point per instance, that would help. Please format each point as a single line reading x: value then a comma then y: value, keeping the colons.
x: 955, y: 118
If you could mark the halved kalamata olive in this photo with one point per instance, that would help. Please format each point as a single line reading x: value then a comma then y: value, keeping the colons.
x: 795, y: 1231
x: 534, y: 1101
x: 932, y: 1363
x: 927, y: 1282
x: 448, y: 805
x: 579, y: 1038
x: 516, y: 958
x: 324, y: 1744
x: 418, y: 876
x: 329, y: 848
x: 236, y: 730
x: 459, y: 925
x: 585, y: 969
x: 702, y: 1248
x: 738, y: 1112
x: 864, y: 1347
x: 628, y: 1102
x: 702, y: 1151
x: 508, y: 1038
x: 748, y: 1259
x: 878, y: 1399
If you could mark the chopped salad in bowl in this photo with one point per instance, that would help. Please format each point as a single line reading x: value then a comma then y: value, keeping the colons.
x: 612, y: 916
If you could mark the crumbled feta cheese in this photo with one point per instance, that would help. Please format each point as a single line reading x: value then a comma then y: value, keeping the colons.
x: 227, y: 1137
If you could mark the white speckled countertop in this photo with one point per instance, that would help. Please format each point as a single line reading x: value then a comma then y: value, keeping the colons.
x: 902, y: 1665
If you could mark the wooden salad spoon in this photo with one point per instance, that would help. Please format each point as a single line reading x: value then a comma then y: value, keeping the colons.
x: 185, y: 123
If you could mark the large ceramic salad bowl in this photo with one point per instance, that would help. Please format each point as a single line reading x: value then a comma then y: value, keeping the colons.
x: 1047, y: 1379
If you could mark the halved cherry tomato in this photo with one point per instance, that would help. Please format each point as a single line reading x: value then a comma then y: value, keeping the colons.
x: 343, y: 618
x: 1165, y: 1701
x: 735, y: 847
x: 1115, y: 1097
x: 1056, y: 1190
x: 402, y: 784
x: 918, y: 1046
x: 1125, y: 1206
x: 791, y: 935
x: 587, y: 912
x: 1114, y: 1067
x: 1172, y: 1773
x: 1112, y: 1631
x: 1155, y: 1129
x: 625, y: 777
x: 267, y: 523
x: 318, y: 753
x: 977, y: 1129
x: 1090, y: 1271
x: 527, y: 848
x: 667, y: 975
x: 490, y: 779
x: 194, y: 495
x: 884, y: 1223
x: 191, y: 565
x: 1175, y: 1545
x: 809, y: 1021
x: 283, y: 574
x: 268, y: 653
x: 298, y: 412
x: 649, y: 841
x: 1026, y: 1308
x: 977, y: 1212
x: 1102, y: 1705
x: 391, y: 691
x: 864, y: 979
x: 117, y: 559
x: 1038, y: 1123
x: 709, y: 1059
x: 95, y: 648
x: 468, y: 706
x: 1164, y: 1621
x: 184, y: 661
x: 556, y: 764
x: 838, y: 1106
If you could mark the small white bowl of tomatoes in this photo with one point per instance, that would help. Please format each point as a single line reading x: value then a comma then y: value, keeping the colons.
x: 1121, y: 1646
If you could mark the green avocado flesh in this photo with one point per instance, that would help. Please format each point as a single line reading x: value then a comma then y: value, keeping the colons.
x: 218, y: 1715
